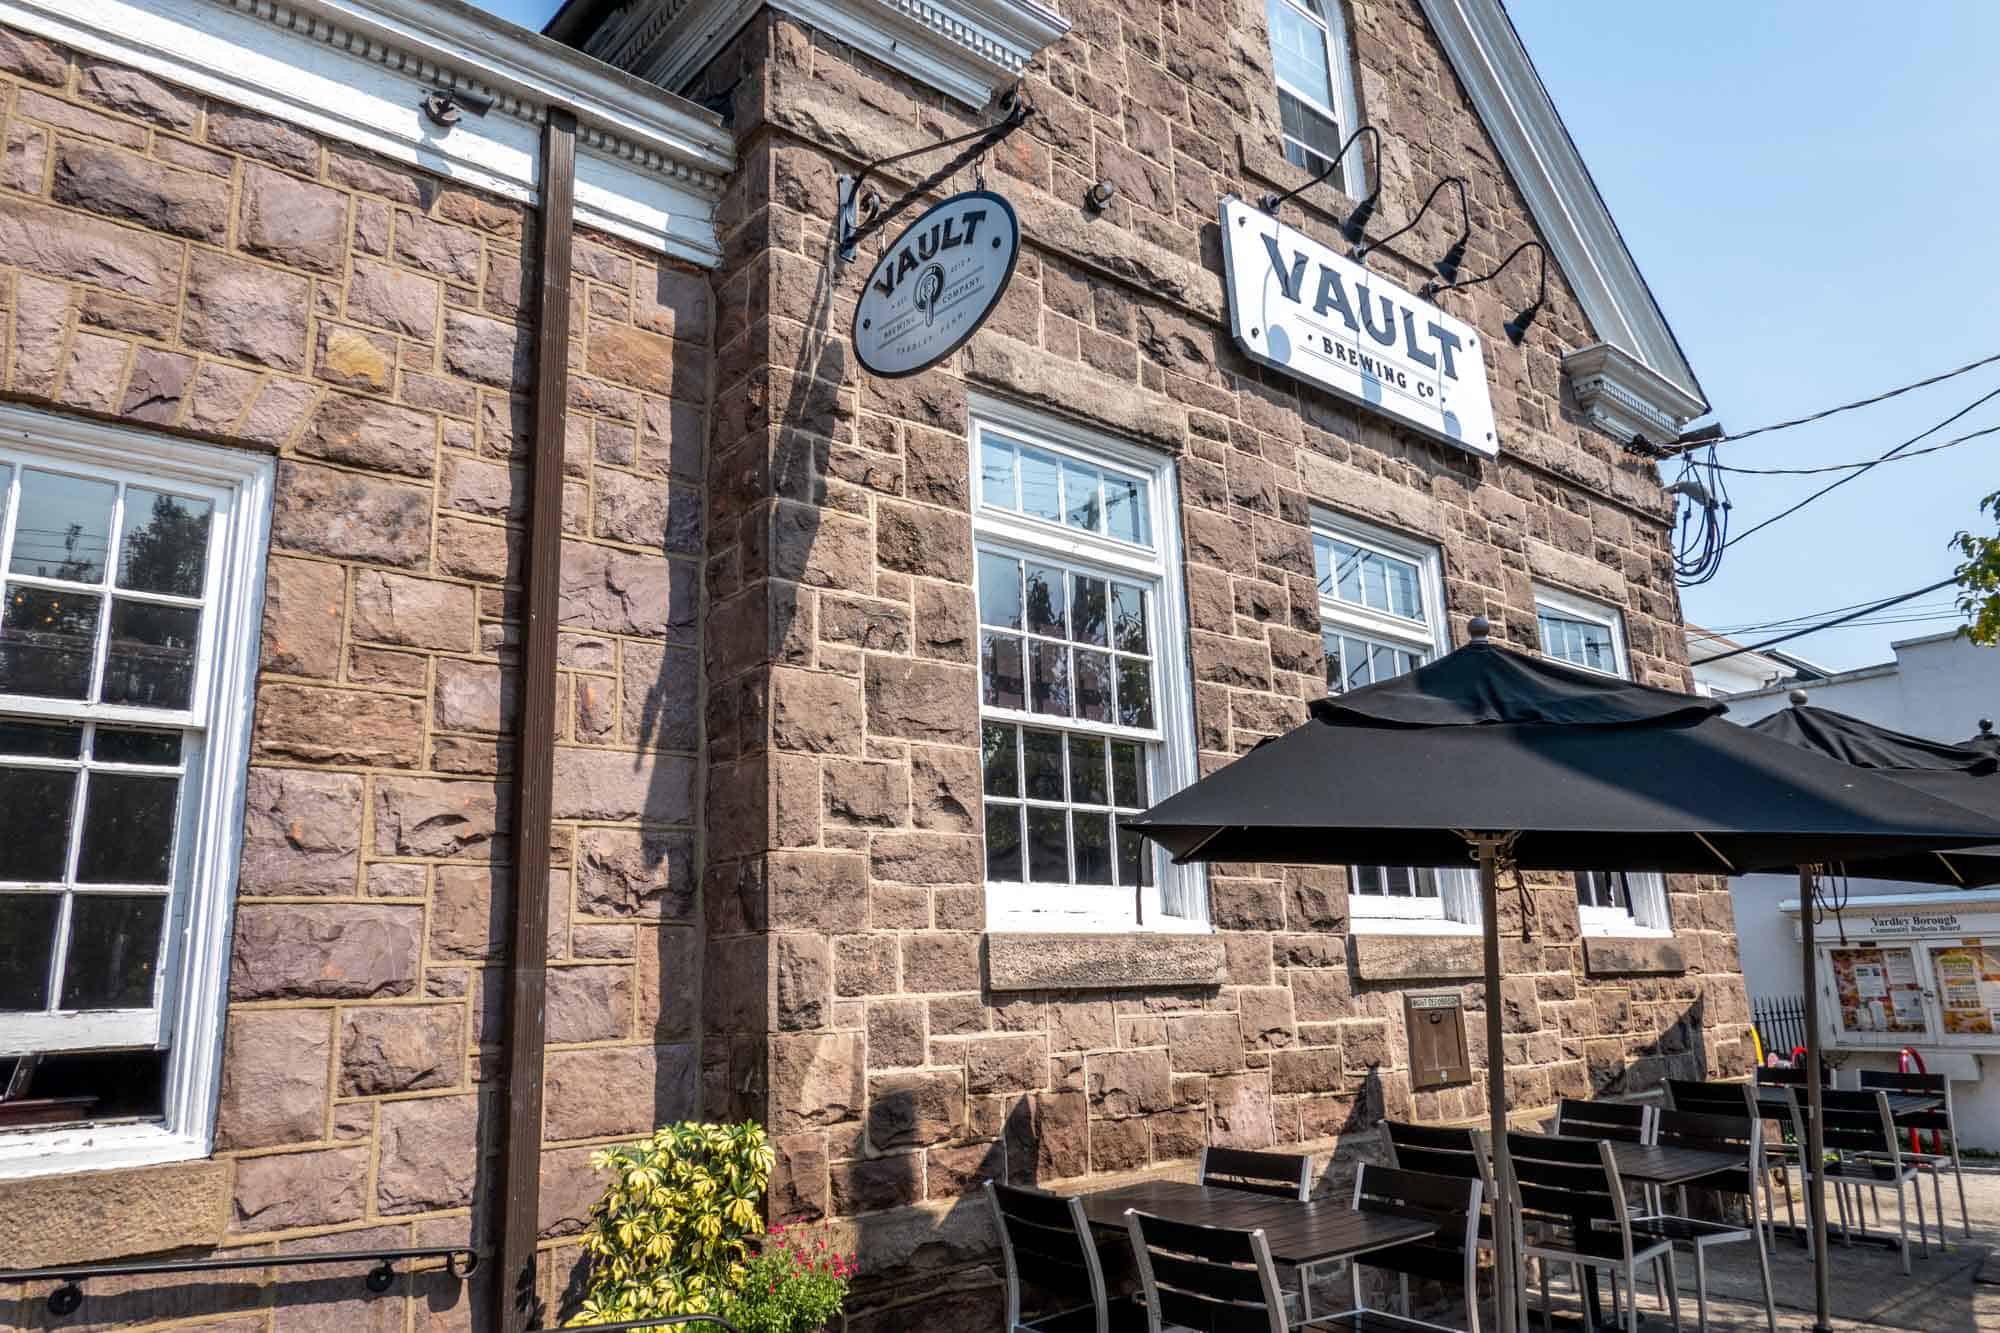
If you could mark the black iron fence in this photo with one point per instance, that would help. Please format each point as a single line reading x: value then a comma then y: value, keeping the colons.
x: 1781, y: 1023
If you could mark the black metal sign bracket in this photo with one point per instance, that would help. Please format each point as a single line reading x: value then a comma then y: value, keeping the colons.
x: 861, y: 210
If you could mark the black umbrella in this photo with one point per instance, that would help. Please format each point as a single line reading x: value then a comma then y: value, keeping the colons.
x: 1966, y: 775
x: 1551, y: 768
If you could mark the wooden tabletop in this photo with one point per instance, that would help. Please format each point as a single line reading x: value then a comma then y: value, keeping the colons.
x: 1298, y: 1233
x: 1665, y: 1164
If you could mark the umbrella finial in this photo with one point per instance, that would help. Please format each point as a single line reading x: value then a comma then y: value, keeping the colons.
x: 1798, y: 698
x: 1479, y: 629
x: 1986, y: 726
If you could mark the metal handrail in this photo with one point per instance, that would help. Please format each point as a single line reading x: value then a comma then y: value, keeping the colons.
x: 68, y: 1297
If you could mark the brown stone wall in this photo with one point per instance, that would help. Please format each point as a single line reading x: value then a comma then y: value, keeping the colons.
x: 179, y: 264
x: 850, y: 1006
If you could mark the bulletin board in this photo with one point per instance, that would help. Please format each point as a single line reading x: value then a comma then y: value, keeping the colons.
x: 1968, y: 986
x: 1878, y: 990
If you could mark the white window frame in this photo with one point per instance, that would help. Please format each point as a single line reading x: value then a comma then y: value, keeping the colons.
x: 1455, y: 910
x: 1040, y: 908
x: 1645, y: 915
x: 1345, y: 112
x: 194, y: 976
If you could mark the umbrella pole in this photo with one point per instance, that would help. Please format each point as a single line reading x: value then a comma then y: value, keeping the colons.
x: 1506, y: 1281
x: 1815, y: 1155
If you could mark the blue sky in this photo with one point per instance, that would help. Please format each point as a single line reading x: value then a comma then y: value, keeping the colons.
x: 1807, y: 195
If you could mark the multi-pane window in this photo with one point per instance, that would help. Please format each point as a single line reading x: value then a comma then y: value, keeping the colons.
x: 1381, y: 614
x: 1580, y: 633
x: 120, y: 647
x: 1316, y: 109
x: 1081, y: 687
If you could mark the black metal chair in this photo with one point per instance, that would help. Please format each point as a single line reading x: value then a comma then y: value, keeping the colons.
x: 1734, y: 1100
x: 1939, y: 1121
x: 1452, y: 1255
x: 1208, y: 1278
x: 1279, y: 1174
x: 1858, y: 1126
x: 1461, y: 1154
x: 1573, y: 1212
x: 1741, y: 1135
x: 1616, y: 1122
x: 1051, y: 1233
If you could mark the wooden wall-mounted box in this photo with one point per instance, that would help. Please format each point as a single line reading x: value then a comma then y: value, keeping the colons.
x: 1435, y: 1021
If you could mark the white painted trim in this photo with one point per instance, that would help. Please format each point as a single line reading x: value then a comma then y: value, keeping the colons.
x: 1571, y: 217
x: 970, y: 50
x: 1624, y: 397
x: 649, y: 168
x: 194, y: 989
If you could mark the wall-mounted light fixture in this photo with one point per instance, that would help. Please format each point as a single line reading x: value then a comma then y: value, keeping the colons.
x: 1099, y: 196
x: 1447, y: 263
x: 447, y: 106
x: 1355, y: 225
x: 1517, y: 327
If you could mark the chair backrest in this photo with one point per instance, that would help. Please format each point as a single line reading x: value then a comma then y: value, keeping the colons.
x: 1921, y: 1085
x: 1858, y: 1122
x: 1452, y: 1202
x: 1709, y: 1098
x: 1205, y: 1277
x: 1740, y: 1134
x: 1621, y: 1122
x: 1440, y: 1150
x: 1787, y: 1076
x: 1050, y: 1232
x: 1568, y: 1182
x: 1279, y: 1174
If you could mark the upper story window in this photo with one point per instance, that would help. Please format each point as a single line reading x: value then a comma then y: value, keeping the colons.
x: 1085, y: 707
x: 1381, y: 613
x: 127, y: 639
x: 1316, y: 103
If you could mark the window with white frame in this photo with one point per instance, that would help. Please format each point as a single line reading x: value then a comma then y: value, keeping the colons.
x: 1591, y: 635
x: 1381, y: 613
x: 1086, y: 714
x: 128, y: 623
x: 1316, y: 102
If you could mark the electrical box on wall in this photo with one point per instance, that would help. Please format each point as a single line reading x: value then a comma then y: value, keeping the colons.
x: 1435, y: 1021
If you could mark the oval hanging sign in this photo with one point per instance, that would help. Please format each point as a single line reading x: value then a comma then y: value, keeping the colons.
x: 936, y: 284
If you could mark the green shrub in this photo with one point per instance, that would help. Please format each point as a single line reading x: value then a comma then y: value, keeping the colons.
x: 796, y: 1284
x: 672, y: 1233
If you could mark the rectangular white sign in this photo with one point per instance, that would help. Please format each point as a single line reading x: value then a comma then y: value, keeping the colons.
x: 1300, y: 307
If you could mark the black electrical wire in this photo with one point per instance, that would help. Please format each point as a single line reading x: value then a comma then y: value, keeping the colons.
x: 1865, y: 463
x: 1756, y: 626
x: 1828, y: 624
x: 1978, y: 402
x: 1849, y: 407
x: 1702, y: 529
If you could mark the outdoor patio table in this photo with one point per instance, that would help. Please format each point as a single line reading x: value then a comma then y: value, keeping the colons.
x: 1299, y: 1234
x: 1771, y: 1100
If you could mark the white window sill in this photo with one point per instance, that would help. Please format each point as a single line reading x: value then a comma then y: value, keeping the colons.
x: 99, y: 1146
x: 1631, y: 930
x: 1360, y: 923
x: 1084, y: 923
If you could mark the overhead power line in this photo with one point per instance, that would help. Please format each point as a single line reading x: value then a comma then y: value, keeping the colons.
x: 1824, y: 413
x: 1863, y: 464
x: 1828, y: 624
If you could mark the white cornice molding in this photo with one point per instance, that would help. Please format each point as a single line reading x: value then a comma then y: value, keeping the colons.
x: 1624, y: 396
x: 649, y: 166
x: 1582, y: 238
x: 970, y: 50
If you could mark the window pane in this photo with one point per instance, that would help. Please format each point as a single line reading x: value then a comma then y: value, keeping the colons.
x: 151, y: 659
x: 1365, y: 879
x: 1000, y: 670
x: 1385, y: 662
x: 1135, y: 693
x: 1128, y: 619
x: 64, y: 527
x: 1336, y: 678
x: 1048, y: 678
x: 165, y: 543
x: 1298, y: 51
x: 1083, y: 497
x: 37, y: 802
x: 999, y: 591
x: 1046, y: 602
x: 114, y: 951
x: 1087, y: 611
x: 42, y: 740
x: 1126, y: 506
x: 1347, y: 572
x: 1128, y: 775
x: 1003, y: 842
x: 122, y: 745
x: 1354, y: 655
x: 47, y: 638
x: 1042, y: 764
x: 1093, y: 685
x: 996, y: 473
x: 1001, y: 763
x: 1041, y: 485
x: 1135, y: 858
x: 1581, y: 643
x: 128, y: 829
x: 1374, y: 581
x: 1048, y: 845
x: 1093, y: 847
x: 1405, y: 593
x: 1088, y: 784
x: 27, y: 944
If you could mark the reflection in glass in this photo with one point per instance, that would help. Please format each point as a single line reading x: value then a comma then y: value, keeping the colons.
x: 1003, y: 842
x: 1087, y: 612
x: 997, y: 758
x: 1045, y: 601
x: 64, y: 527
x: 27, y: 943
x: 151, y: 659
x: 996, y: 473
x: 1093, y: 846
x: 126, y: 745
x: 1048, y: 678
x: 47, y: 638
x: 114, y: 951
x: 1048, y: 846
x: 1128, y: 775
x: 1128, y: 618
x: 164, y: 547
x: 37, y: 804
x: 1135, y: 693
x: 1087, y: 782
x: 128, y: 829
x: 1125, y: 510
x: 1336, y: 675
x: 43, y: 740
x: 1405, y: 598
x: 1042, y: 764
x: 1000, y: 670
x: 1093, y: 685
x: 1135, y: 858
x: 1041, y: 485
x: 999, y: 591
x: 1083, y: 497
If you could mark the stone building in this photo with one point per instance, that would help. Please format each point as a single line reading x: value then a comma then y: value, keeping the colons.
x: 853, y: 674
